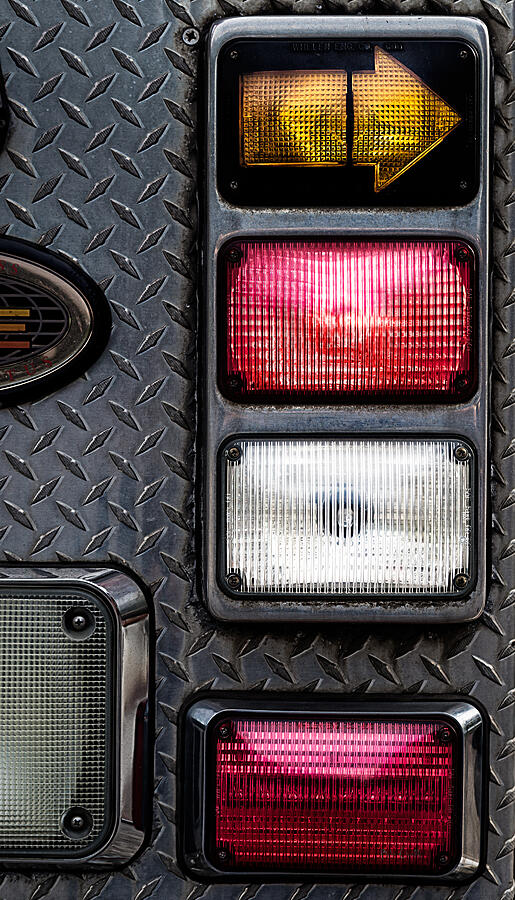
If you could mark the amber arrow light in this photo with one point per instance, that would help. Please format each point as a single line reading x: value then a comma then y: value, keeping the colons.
x: 397, y: 119
x: 299, y: 118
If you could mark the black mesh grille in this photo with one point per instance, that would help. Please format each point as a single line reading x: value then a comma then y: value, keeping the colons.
x: 40, y: 315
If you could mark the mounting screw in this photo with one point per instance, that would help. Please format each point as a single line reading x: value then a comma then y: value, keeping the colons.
x: 234, y: 581
x: 224, y: 731
x: 235, y: 382
x: 234, y: 453
x: 461, y: 453
x: 79, y: 622
x: 190, y: 36
x: 443, y: 859
x: 461, y: 382
x: 233, y: 54
x: 234, y: 185
x: 76, y: 823
x: 223, y: 855
x: 461, y: 581
x: 464, y: 54
x: 463, y: 254
x: 234, y: 255
x: 463, y: 185
x: 444, y: 736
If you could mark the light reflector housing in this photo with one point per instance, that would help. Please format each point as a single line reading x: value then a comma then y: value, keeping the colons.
x: 318, y: 120
x: 368, y: 789
x: 342, y: 516
x: 336, y: 319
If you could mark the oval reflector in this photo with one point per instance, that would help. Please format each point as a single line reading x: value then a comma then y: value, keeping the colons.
x: 54, y: 320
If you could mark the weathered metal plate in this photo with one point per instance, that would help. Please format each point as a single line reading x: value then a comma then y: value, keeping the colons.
x: 101, y: 164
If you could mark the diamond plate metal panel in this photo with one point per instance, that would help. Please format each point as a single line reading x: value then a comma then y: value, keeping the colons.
x: 101, y: 164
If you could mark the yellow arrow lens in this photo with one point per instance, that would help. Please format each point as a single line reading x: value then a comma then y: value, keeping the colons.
x: 293, y: 118
x: 299, y: 118
x: 397, y: 119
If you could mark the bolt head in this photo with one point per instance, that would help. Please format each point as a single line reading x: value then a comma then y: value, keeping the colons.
x: 79, y: 622
x: 233, y: 54
x: 461, y: 453
x: 234, y: 453
x: 461, y: 581
x: 234, y: 581
x: 77, y: 823
x: 444, y: 736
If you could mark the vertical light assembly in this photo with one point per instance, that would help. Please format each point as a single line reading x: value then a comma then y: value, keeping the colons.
x: 346, y: 319
x: 74, y: 671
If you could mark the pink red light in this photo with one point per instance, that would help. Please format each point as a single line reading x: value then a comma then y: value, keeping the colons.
x: 336, y: 318
x: 335, y: 795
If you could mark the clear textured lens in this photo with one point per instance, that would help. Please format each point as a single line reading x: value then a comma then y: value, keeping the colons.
x: 348, y: 516
x: 366, y: 795
x: 54, y: 725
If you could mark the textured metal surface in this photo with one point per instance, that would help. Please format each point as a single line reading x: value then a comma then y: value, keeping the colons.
x: 100, y: 163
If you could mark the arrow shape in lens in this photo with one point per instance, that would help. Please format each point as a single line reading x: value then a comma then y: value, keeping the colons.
x: 397, y: 119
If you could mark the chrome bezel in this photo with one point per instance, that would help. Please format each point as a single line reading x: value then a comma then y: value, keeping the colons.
x: 129, y: 610
x: 197, y: 722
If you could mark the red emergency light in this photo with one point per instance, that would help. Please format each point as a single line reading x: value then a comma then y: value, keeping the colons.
x: 312, y: 788
x: 336, y: 794
x: 321, y: 320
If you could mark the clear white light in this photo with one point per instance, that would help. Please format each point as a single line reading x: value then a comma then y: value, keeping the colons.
x: 348, y: 516
x: 54, y: 724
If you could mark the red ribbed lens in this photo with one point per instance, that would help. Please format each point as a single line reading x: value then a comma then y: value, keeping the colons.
x: 329, y: 320
x: 366, y: 796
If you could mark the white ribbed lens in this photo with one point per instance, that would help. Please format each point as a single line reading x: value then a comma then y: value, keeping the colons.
x: 348, y: 516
